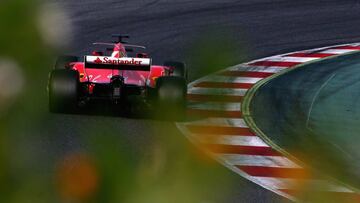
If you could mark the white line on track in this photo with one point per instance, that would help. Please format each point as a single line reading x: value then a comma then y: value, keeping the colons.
x: 291, y: 183
x: 276, y: 183
x: 222, y: 106
x: 265, y: 69
x: 315, y: 97
x: 230, y: 79
x: 236, y: 140
x: 254, y: 160
x: 217, y: 91
x: 292, y: 59
x: 237, y: 122
x: 337, y: 51
x: 225, y: 122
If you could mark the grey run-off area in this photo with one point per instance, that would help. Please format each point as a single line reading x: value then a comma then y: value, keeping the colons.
x: 314, y: 111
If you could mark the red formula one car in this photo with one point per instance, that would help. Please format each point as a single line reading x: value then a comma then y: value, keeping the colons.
x: 115, y: 77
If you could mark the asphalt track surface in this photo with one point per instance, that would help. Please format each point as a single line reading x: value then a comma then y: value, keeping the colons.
x: 263, y: 27
x: 315, y: 109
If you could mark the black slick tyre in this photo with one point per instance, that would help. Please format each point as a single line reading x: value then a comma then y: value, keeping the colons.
x: 170, y: 97
x: 63, y: 91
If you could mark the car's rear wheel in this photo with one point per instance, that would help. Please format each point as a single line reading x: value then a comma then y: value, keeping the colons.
x: 179, y: 68
x: 63, y: 91
x: 171, y: 97
x: 63, y: 62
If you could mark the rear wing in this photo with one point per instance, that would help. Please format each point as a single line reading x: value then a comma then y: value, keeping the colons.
x: 106, y: 62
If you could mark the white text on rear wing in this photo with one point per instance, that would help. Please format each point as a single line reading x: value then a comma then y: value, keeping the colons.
x: 128, y: 63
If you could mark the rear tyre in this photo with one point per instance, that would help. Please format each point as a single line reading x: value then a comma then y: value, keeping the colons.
x: 171, y: 98
x: 179, y: 68
x: 63, y: 91
x: 63, y: 62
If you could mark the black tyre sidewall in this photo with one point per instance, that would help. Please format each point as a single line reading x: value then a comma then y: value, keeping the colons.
x: 168, y: 106
x: 63, y: 91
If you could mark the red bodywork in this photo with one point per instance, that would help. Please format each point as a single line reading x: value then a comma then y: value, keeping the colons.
x: 131, y: 77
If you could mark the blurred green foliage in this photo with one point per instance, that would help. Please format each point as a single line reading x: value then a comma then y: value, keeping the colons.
x: 20, y: 41
x: 30, y: 162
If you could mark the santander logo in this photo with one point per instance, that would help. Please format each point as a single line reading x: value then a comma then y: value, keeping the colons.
x: 117, y: 61
x: 98, y: 61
